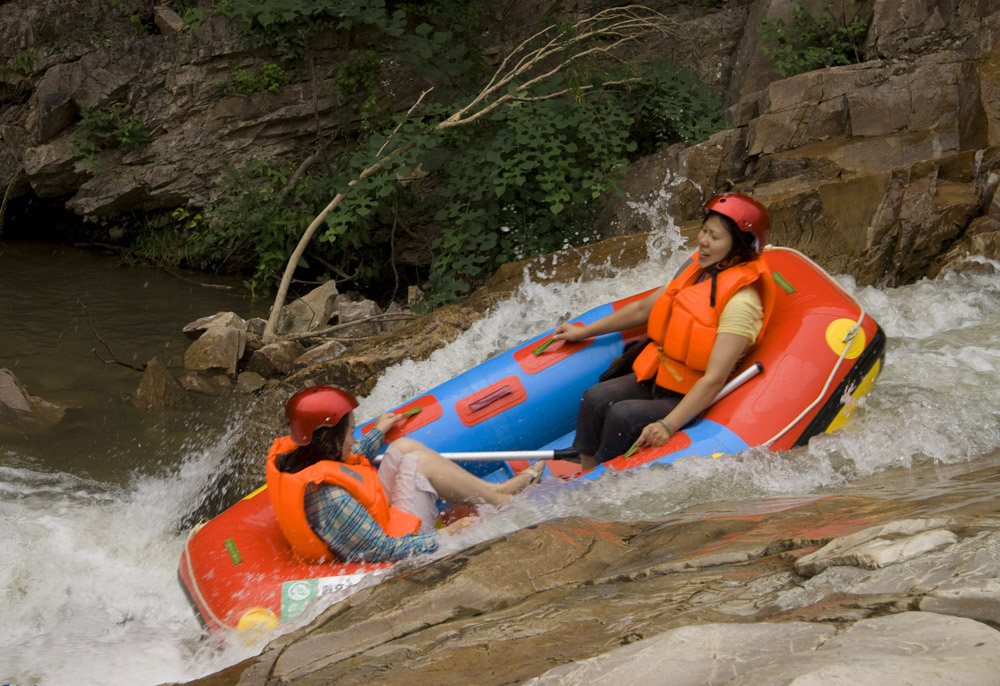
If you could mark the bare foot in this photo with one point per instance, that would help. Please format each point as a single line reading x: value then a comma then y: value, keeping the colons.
x: 527, y: 476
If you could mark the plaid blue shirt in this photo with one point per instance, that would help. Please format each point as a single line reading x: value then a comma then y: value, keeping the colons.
x: 349, y: 530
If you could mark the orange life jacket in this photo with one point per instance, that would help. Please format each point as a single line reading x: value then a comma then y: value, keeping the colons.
x: 684, y: 321
x: 360, y: 480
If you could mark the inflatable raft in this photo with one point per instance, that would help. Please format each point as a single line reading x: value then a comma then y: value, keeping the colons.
x: 821, y: 352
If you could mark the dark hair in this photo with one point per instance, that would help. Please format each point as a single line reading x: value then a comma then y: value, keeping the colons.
x: 327, y: 444
x: 743, y: 241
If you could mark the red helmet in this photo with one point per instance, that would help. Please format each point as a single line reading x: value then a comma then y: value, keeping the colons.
x: 314, y: 407
x: 748, y: 214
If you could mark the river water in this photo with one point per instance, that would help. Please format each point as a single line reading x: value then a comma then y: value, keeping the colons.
x: 91, y: 511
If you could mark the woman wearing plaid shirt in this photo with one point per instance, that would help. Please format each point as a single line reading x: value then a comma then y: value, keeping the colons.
x: 411, y: 477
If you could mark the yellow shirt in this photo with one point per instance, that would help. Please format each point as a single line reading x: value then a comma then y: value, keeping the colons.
x: 743, y: 314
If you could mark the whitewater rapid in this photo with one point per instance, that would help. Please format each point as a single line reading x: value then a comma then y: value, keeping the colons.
x: 90, y: 593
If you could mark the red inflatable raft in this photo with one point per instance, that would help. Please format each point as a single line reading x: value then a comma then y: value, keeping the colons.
x: 821, y: 352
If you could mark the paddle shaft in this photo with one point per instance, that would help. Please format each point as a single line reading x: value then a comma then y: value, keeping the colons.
x: 568, y: 453
x: 504, y: 455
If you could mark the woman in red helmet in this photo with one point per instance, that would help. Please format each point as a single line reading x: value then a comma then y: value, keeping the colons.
x: 332, y: 503
x: 701, y: 324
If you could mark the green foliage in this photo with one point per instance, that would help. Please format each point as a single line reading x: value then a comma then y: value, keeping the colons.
x: 813, y: 42
x: 445, y: 47
x: 20, y: 64
x: 255, y: 231
x: 357, y: 84
x: 186, y: 219
x: 522, y: 181
x: 285, y: 25
x: 526, y: 179
x: 522, y: 184
x: 267, y: 77
x: 193, y: 17
x: 670, y: 105
x: 103, y: 128
x: 171, y: 245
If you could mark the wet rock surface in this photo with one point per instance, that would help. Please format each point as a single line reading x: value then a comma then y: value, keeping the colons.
x: 158, y: 390
x: 21, y: 410
x: 772, y: 591
x: 885, y: 170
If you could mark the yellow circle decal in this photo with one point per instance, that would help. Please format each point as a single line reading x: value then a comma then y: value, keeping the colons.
x: 837, y: 332
x: 257, y: 620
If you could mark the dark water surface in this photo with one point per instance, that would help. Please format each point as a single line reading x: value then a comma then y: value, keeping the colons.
x: 57, y: 303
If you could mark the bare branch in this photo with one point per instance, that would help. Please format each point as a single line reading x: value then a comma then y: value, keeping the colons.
x: 409, y: 113
x: 566, y: 91
x: 114, y: 358
x: 306, y: 163
x: 344, y: 276
x: 322, y: 333
x: 286, y: 279
x: 623, y: 31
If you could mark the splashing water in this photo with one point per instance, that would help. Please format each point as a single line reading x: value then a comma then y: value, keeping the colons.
x: 90, y: 588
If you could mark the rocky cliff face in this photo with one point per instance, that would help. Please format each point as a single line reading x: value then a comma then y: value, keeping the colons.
x: 61, y: 57
x: 885, y: 170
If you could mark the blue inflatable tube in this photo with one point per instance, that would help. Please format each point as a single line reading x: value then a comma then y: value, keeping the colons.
x: 535, y: 399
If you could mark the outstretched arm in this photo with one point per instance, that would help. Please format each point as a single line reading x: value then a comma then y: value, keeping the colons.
x: 628, y: 317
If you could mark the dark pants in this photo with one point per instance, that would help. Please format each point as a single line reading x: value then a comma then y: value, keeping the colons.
x: 614, y: 412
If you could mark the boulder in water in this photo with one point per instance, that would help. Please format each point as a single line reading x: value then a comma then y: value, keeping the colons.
x: 159, y: 390
x: 20, y: 409
x: 220, y: 347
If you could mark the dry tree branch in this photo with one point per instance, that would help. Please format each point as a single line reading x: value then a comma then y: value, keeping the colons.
x: 626, y: 24
x: 615, y: 27
x: 306, y: 163
x: 578, y: 89
x: 324, y: 332
x: 114, y: 358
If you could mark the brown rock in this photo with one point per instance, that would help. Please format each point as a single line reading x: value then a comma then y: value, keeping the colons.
x: 167, y: 20
x: 219, y: 348
x: 275, y: 359
x: 12, y: 393
x: 600, y: 260
x: 359, y: 367
x: 395, y: 308
x: 18, y: 408
x: 310, y: 312
x: 559, y: 601
x: 350, y: 310
x: 971, y: 254
x: 199, y: 383
x: 195, y: 329
x: 52, y: 168
x: 320, y: 353
x: 158, y: 390
x: 249, y: 382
